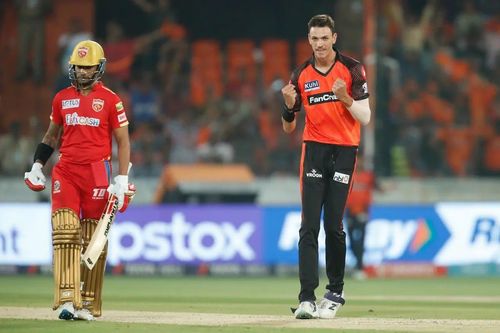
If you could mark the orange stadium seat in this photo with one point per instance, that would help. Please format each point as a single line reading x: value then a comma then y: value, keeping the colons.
x: 206, y: 71
x: 276, y: 63
x: 206, y: 48
x: 302, y: 51
x: 240, y: 60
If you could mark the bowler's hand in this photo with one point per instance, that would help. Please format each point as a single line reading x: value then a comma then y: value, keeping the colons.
x: 35, y: 179
x: 290, y: 95
x: 340, y: 90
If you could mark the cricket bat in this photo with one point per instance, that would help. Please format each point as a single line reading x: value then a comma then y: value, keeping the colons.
x: 100, y: 236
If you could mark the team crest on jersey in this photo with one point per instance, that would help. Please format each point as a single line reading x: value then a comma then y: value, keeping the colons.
x: 83, y: 51
x: 311, y: 85
x: 97, y: 104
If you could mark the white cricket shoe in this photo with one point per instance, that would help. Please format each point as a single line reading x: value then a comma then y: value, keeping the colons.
x: 306, y: 310
x: 330, y: 304
x: 66, y: 311
x: 84, y: 314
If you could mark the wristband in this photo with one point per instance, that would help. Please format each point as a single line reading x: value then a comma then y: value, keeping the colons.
x: 43, y: 152
x: 287, y: 115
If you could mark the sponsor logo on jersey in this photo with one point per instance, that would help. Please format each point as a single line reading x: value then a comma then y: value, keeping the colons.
x: 122, y: 117
x: 365, y: 87
x: 322, y: 98
x: 70, y: 103
x: 314, y: 174
x: 97, y: 104
x: 74, y: 119
x: 311, y: 85
x: 119, y: 106
x: 341, y: 178
x: 83, y: 51
x: 57, y: 187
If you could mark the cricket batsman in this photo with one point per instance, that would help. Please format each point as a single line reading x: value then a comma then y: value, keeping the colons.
x: 84, y: 118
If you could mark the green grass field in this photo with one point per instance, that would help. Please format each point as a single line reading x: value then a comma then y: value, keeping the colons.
x: 449, y: 303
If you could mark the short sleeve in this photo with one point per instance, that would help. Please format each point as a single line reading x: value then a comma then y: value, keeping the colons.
x: 118, y: 117
x: 55, y: 115
x: 294, y: 79
x: 359, y: 85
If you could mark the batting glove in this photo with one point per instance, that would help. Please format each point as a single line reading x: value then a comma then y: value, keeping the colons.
x: 129, y: 196
x: 119, y: 188
x: 35, y: 179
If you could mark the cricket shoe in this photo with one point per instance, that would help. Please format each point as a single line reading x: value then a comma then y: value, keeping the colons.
x: 66, y: 311
x: 306, y: 310
x: 84, y: 314
x: 330, y: 304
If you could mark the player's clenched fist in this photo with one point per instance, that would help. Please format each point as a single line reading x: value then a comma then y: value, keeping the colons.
x: 289, y: 94
x: 35, y: 179
x: 339, y: 89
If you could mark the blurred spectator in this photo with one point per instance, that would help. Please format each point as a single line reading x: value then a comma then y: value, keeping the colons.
x: 123, y: 51
x: 16, y: 151
x: 212, y: 145
x: 182, y: 133
x: 172, y: 48
x: 165, y: 53
x: 31, y: 37
x: 149, y: 150
x: 443, y: 110
x: 492, y: 41
x: 144, y: 100
x: 359, y: 202
x: 468, y: 22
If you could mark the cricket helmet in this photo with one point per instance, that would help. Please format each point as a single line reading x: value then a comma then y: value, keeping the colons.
x: 86, y: 53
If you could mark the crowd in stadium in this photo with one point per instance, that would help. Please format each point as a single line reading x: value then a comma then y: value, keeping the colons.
x: 437, y: 101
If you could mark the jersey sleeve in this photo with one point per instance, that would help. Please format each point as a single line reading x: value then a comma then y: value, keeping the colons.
x: 359, y: 85
x: 55, y: 115
x: 118, y: 117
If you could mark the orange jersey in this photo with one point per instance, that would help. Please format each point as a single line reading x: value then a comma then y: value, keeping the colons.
x: 327, y: 119
x: 360, y: 197
x: 88, y: 122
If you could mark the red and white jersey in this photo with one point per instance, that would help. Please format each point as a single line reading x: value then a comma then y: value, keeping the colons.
x: 88, y: 122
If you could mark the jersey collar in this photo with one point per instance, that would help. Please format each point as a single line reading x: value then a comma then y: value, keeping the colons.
x: 337, y: 57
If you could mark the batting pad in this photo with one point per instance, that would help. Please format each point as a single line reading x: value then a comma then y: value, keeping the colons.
x: 67, y: 248
x: 92, y: 280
